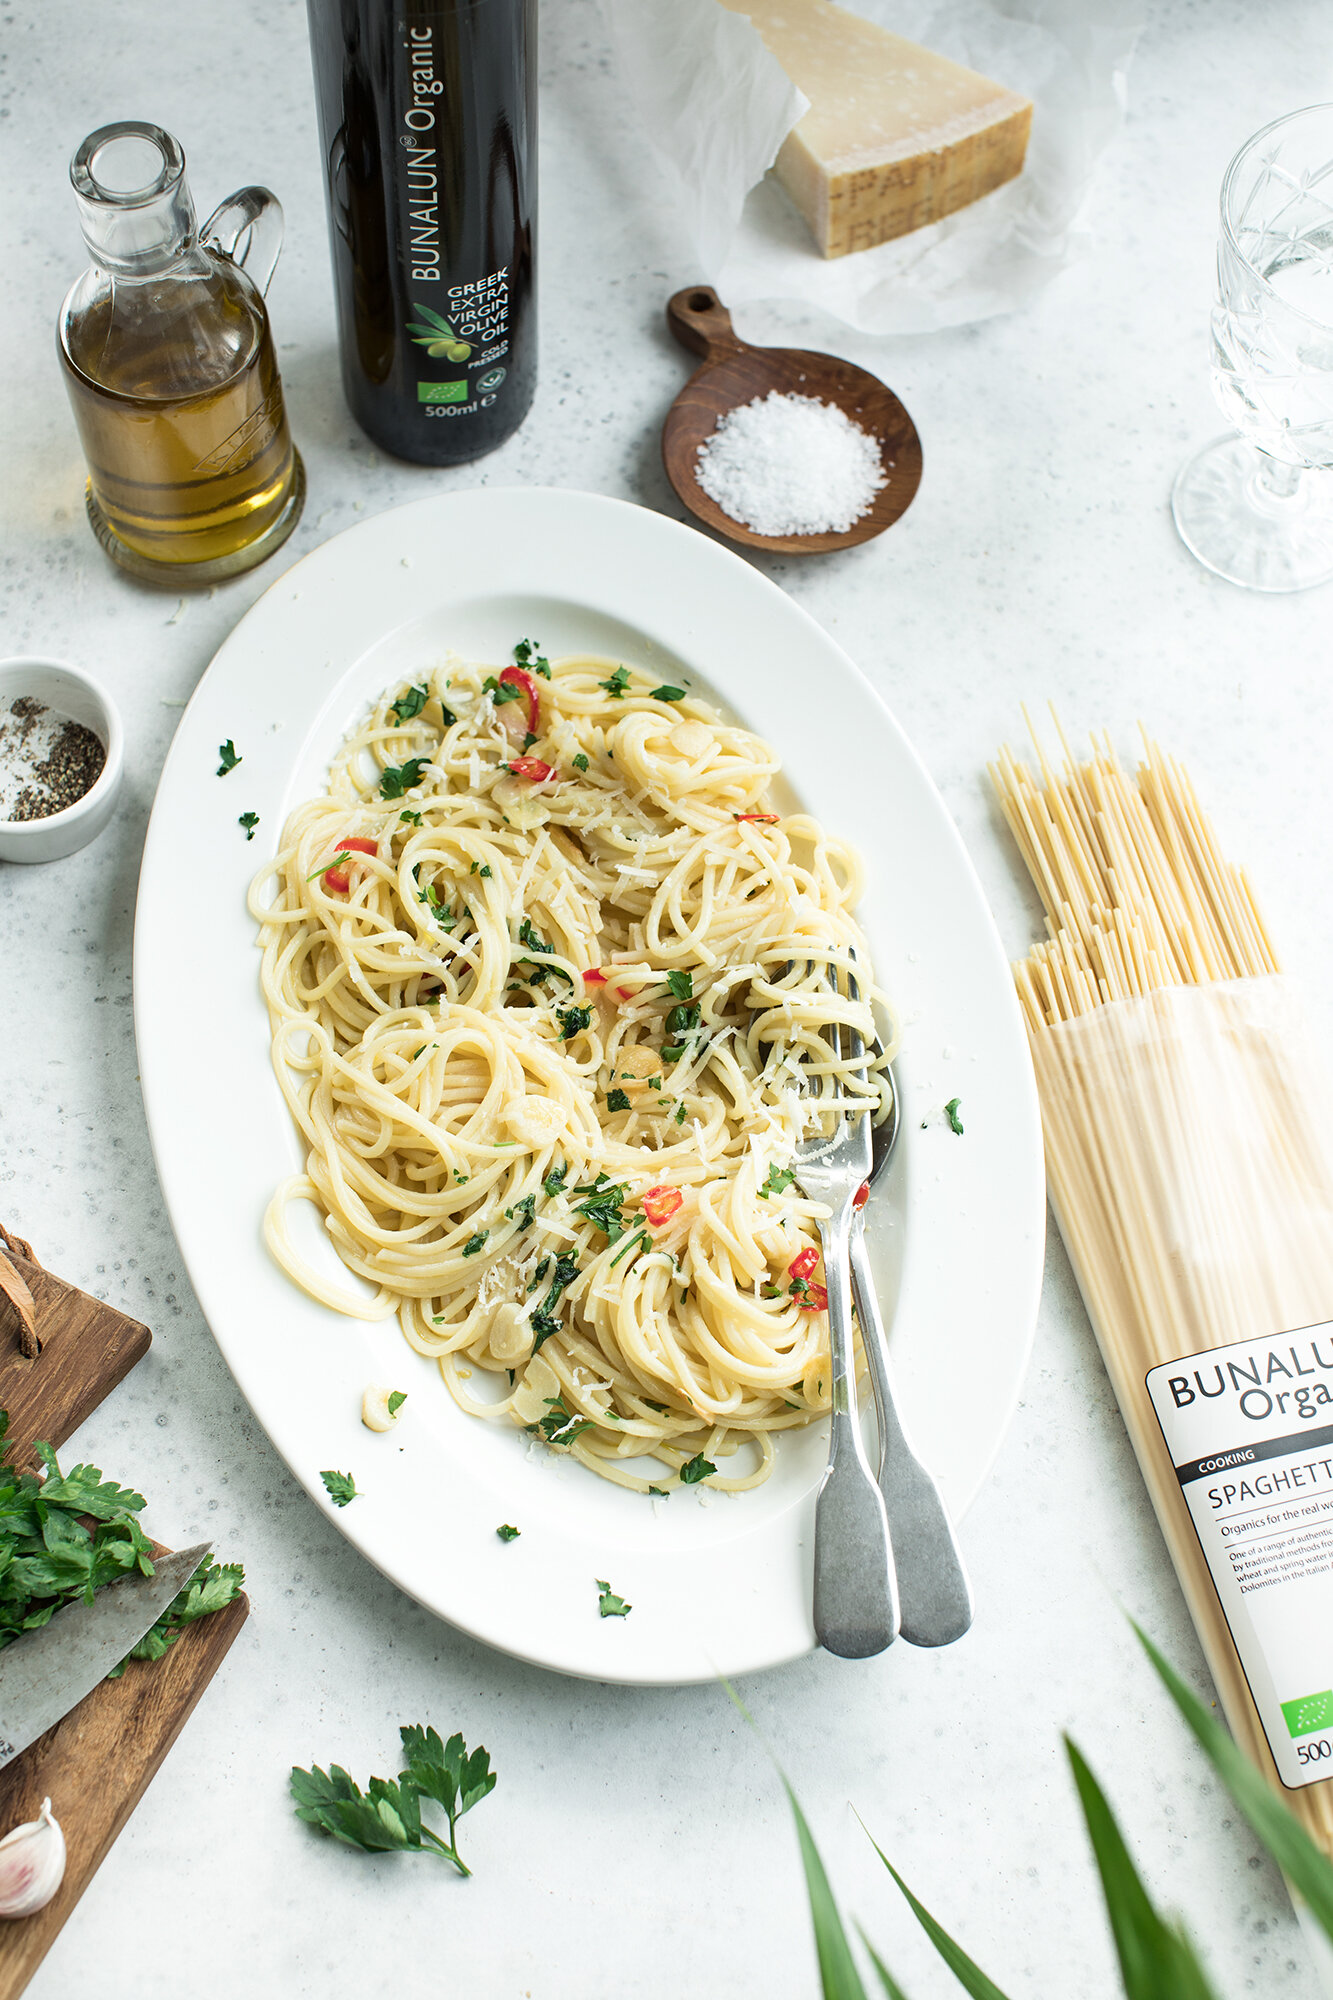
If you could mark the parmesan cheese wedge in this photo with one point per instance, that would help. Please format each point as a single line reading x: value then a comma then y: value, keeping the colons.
x: 895, y: 136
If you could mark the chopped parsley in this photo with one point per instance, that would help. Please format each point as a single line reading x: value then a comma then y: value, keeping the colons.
x: 681, y: 984
x: 485, y: 868
x: 386, y: 1817
x: 695, y: 1469
x: 617, y: 1100
x: 475, y: 1243
x: 522, y: 1211
x: 227, y: 752
x: 951, y: 1113
x: 397, y: 1397
x: 573, y: 1020
x: 659, y: 1492
x: 412, y: 818
x: 544, y: 1322
x: 508, y: 1533
x: 680, y: 1114
x: 580, y: 762
x: 682, y: 1025
x: 340, y: 1487
x: 539, y: 1274
x: 602, y: 1206
x: 400, y: 778
x: 528, y: 654
x: 441, y: 912
x: 502, y: 691
x: 559, y: 1425
x: 635, y: 1242
x: 249, y: 821
x: 533, y: 939
x: 668, y: 694
x: 617, y: 684
x: 556, y: 1179
x: 779, y: 1178
x: 409, y: 704
x: 608, y: 1603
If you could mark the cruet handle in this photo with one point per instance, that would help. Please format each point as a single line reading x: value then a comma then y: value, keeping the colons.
x: 247, y: 227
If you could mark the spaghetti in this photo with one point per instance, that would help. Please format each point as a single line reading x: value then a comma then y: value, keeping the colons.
x: 1189, y: 1150
x: 550, y: 981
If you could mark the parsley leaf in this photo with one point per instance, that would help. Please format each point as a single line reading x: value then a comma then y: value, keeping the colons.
x: 695, y: 1469
x: 951, y: 1113
x: 522, y: 1211
x: 485, y: 868
x: 617, y: 684
x: 400, y: 778
x: 608, y: 1604
x: 409, y: 704
x: 227, y: 752
x: 634, y: 1242
x: 533, y: 939
x: 397, y: 1397
x: 580, y: 762
x: 573, y: 1020
x: 556, y: 1179
x: 617, y: 1100
x: 502, y: 691
x: 249, y: 821
x: 441, y: 912
x: 340, y: 1487
x: 681, y: 984
x: 559, y: 1425
x: 668, y: 694
x: 386, y: 1817
x: 412, y: 818
x: 602, y: 1206
x: 475, y: 1243
x: 507, y: 1533
x: 528, y: 654
x: 680, y: 1114
x: 778, y: 1179
x: 212, y: 1586
x: 544, y: 1322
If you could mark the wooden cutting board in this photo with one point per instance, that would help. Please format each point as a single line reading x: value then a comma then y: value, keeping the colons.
x: 96, y: 1763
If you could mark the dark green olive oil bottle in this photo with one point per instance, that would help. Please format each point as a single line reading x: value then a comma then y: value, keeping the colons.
x: 428, y: 122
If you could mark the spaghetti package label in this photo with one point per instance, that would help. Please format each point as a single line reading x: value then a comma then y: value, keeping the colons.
x: 1250, y: 1432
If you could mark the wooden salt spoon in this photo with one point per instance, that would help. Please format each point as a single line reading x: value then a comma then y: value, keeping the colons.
x: 734, y: 373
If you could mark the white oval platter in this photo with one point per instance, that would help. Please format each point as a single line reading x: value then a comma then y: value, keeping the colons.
x: 719, y: 1584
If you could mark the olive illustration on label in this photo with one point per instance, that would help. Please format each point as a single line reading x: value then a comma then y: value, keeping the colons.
x: 437, y: 336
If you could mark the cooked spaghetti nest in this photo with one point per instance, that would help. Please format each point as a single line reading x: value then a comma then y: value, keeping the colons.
x: 550, y: 1031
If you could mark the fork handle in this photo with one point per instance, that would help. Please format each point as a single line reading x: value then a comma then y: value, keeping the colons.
x: 856, y: 1594
x: 936, y: 1596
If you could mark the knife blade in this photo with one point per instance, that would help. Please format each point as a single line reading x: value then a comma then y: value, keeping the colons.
x: 43, y: 1674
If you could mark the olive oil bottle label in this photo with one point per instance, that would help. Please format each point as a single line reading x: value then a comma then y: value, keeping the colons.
x: 1250, y: 1432
x: 458, y: 323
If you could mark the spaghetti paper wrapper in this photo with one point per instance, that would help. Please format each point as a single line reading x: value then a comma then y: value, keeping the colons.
x: 1188, y: 1120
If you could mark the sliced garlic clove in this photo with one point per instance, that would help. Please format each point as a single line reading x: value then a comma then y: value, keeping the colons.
x: 534, y: 1121
x: 534, y: 1393
x: 375, y: 1412
x: 692, y: 739
x: 32, y: 1865
x: 509, y: 1335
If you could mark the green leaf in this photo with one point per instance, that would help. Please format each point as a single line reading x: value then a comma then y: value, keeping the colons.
x: 681, y: 984
x: 507, y: 1532
x: 580, y: 762
x: 340, y: 1487
x: 617, y: 1100
x: 886, y: 1978
x: 385, y: 1819
x: 969, y: 1975
x: 397, y: 1397
x: 1307, y: 1869
x: 695, y: 1469
x: 617, y: 684
x: 778, y: 1179
x: 839, y: 1977
x: 1157, y: 1962
x: 668, y: 694
x: 398, y: 779
x: 608, y: 1604
x: 951, y: 1113
x: 249, y: 821
x: 409, y: 704
x: 227, y: 752
x: 83, y: 1490
x: 573, y: 1020
x: 433, y: 320
x: 212, y: 1587
x: 449, y: 1773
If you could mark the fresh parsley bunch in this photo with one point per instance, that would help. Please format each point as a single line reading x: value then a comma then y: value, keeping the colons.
x: 65, y: 1535
x: 386, y: 1817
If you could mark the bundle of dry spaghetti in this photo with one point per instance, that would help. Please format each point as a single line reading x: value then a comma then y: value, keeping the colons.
x: 1189, y: 1154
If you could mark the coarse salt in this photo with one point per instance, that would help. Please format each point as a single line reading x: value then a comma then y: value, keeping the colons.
x: 791, y: 465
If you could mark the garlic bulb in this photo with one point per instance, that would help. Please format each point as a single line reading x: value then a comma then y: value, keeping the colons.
x: 32, y: 1865
x: 380, y: 1407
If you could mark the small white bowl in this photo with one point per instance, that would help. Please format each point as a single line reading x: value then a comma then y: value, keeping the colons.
x: 68, y: 691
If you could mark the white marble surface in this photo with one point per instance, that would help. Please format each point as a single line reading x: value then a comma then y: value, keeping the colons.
x: 638, y: 1843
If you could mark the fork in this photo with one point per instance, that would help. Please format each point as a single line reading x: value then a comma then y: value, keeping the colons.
x: 856, y: 1589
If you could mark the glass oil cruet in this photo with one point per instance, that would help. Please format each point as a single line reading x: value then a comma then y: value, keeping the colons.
x: 170, y: 368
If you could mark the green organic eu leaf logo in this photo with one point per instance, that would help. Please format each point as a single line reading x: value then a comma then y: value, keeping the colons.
x: 436, y: 335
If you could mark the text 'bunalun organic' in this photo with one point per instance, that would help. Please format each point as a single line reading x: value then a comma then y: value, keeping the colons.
x: 420, y: 160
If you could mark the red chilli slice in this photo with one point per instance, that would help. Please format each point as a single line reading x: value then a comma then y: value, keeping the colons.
x: 817, y: 1301
x: 338, y: 878
x: 862, y: 1195
x: 661, y: 1203
x: 594, y: 976
x: 515, y: 677
x: 334, y: 878
x: 804, y: 1264
x: 765, y: 819
x: 623, y: 993
x: 532, y: 767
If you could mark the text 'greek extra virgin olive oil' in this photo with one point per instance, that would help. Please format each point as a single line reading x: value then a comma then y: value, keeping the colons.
x: 428, y: 120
